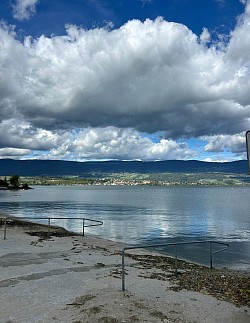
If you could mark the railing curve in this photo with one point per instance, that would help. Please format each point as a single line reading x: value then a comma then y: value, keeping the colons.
x: 211, y: 252
x: 96, y: 222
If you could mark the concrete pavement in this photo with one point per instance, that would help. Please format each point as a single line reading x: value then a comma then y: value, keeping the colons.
x: 78, y: 279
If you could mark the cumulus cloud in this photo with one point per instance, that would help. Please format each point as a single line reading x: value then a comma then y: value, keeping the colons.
x: 115, y: 143
x: 19, y: 138
x: 24, y: 9
x: 220, y: 143
x: 13, y: 152
x: 18, y: 133
x: 205, y: 36
x: 147, y: 76
x: 151, y: 76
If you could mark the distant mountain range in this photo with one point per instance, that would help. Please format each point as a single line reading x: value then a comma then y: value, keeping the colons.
x: 56, y: 168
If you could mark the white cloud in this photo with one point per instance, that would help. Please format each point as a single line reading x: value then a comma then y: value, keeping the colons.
x: 238, y: 49
x: 24, y: 9
x: 16, y: 133
x: 13, y: 152
x: 114, y: 143
x: 221, y: 143
x: 151, y: 76
x: 145, y: 76
x: 205, y: 36
x: 219, y: 159
x: 85, y: 144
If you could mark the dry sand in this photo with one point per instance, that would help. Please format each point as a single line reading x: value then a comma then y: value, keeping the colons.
x: 78, y: 279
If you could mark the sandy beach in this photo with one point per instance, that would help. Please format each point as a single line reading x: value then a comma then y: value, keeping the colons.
x: 71, y: 278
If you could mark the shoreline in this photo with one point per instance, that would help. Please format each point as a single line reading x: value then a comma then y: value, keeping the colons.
x: 224, y: 284
x: 72, y: 278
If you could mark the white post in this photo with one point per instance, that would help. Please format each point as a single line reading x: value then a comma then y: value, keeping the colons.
x: 248, y: 149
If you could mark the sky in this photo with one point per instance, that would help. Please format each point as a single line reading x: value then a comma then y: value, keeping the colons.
x: 124, y: 79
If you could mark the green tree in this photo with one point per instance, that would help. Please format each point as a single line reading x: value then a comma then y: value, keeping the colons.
x: 14, y: 181
x: 4, y: 183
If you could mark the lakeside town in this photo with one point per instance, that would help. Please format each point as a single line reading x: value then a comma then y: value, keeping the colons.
x: 130, y: 179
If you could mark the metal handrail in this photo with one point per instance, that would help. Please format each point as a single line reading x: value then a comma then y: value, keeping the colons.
x: 211, y: 252
x: 97, y: 222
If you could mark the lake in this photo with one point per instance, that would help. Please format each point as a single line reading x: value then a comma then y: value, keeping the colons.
x: 139, y: 215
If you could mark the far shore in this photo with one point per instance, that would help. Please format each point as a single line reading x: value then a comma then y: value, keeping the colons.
x: 141, y: 179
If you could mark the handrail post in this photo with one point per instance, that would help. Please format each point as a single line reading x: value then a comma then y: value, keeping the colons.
x: 83, y: 227
x: 176, y: 272
x: 48, y: 226
x: 123, y: 273
x: 5, y: 229
x: 211, y: 254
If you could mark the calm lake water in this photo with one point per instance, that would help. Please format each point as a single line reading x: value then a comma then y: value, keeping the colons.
x: 148, y: 215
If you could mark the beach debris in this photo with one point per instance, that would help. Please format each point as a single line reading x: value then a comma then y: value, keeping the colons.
x: 224, y: 284
x: 99, y: 264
